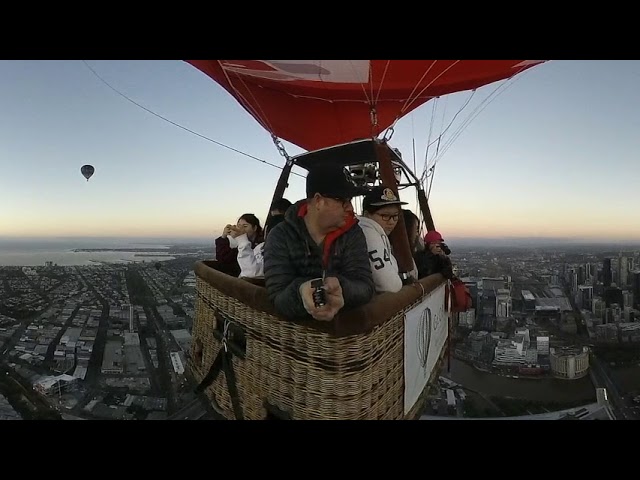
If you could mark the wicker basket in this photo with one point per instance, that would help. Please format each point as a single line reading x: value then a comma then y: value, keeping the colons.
x: 351, y: 368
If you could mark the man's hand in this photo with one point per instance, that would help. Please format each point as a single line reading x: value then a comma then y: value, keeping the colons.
x: 446, y: 267
x: 333, y: 294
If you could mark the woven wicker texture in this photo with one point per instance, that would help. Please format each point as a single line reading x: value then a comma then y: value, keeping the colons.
x: 306, y: 373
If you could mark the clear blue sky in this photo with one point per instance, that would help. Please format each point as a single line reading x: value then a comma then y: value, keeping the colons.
x: 555, y: 154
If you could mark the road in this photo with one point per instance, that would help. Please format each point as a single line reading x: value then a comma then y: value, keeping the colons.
x: 165, y: 367
x: 194, y: 410
x: 602, y: 379
x: 49, y: 357
x: 95, y: 363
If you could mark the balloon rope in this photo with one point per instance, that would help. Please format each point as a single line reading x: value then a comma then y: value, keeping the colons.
x: 180, y: 126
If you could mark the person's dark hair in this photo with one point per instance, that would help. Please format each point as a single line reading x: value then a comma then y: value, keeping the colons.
x: 370, y: 209
x: 410, y: 221
x: 281, y: 205
x: 271, y: 222
x: 252, y: 220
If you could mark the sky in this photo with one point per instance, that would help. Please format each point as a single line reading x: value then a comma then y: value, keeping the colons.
x: 553, y: 153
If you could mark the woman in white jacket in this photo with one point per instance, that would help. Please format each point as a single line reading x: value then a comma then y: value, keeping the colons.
x: 250, y: 259
x: 380, y: 213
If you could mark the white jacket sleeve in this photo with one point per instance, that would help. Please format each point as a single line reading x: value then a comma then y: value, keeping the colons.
x: 384, y: 266
x: 250, y: 260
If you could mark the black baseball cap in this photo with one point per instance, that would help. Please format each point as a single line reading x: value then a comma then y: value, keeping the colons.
x: 380, y: 196
x: 332, y: 180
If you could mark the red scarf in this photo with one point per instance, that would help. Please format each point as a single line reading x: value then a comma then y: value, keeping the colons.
x: 331, y: 236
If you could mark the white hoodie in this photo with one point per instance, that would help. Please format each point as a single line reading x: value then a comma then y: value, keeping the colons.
x: 250, y: 259
x: 383, y: 264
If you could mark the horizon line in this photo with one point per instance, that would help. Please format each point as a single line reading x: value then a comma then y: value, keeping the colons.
x: 572, y: 239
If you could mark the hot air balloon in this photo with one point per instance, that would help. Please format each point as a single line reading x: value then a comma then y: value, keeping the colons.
x: 87, y: 171
x: 371, y: 362
x: 337, y: 101
x: 157, y: 265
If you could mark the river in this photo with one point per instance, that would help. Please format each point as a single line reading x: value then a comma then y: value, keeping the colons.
x: 627, y: 378
x: 542, y: 390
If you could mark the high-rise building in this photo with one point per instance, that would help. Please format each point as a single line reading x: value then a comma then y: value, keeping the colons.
x: 635, y: 288
x: 598, y: 308
x: 467, y: 319
x: 613, y: 295
x: 623, y: 270
x: 607, y: 276
x: 131, y: 327
x: 542, y: 345
x: 574, y: 282
x: 584, y: 297
x: 503, y: 303
x: 627, y: 299
x: 588, y: 271
x: 529, y: 301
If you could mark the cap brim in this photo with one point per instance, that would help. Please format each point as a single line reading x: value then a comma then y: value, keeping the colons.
x: 392, y: 202
x: 351, y: 192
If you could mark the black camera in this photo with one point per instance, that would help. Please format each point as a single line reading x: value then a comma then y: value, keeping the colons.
x: 445, y: 248
x: 319, y: 295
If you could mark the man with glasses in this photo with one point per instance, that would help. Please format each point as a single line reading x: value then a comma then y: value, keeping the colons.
x: 319, y: 243
x: 380, y: 213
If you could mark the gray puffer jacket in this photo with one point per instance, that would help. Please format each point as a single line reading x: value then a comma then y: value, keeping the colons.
x: 291, y: 257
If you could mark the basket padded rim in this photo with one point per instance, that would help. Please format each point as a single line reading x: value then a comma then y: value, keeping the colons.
x: 356, y: 321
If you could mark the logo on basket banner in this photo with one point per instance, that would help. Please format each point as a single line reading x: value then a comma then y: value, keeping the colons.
x: 438, y: 318
x: 429, y: 323
x: 423, y: 338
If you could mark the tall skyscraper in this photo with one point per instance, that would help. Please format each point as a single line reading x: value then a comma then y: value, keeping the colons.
x: 588, y: 271
x: 623, y: 270
x: 635, y: 288
x: 613, y: 295
x: 607, y: 276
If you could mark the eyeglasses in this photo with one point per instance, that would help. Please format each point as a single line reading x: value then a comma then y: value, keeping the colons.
x: 386, y: 217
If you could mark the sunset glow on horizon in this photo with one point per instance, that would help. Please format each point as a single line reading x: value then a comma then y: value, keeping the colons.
x: 552, y: 156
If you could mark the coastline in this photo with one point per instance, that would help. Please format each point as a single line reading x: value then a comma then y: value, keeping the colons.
x: 16, y: 253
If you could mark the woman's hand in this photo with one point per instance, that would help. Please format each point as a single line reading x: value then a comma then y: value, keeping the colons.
x: 235, y: 231
x: 227, y: 230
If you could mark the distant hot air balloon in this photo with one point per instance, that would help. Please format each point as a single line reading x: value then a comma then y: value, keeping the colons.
x: 158, y: 265
x: 87, y: 171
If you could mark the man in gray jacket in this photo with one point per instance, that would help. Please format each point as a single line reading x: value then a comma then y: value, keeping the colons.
x: 320, y: 238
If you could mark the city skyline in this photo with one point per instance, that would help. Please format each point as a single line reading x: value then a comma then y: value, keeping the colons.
x: 112, y: 341
x: 551, y: 156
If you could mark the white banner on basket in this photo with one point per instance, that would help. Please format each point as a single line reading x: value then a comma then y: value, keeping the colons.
x: 425, y: 334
